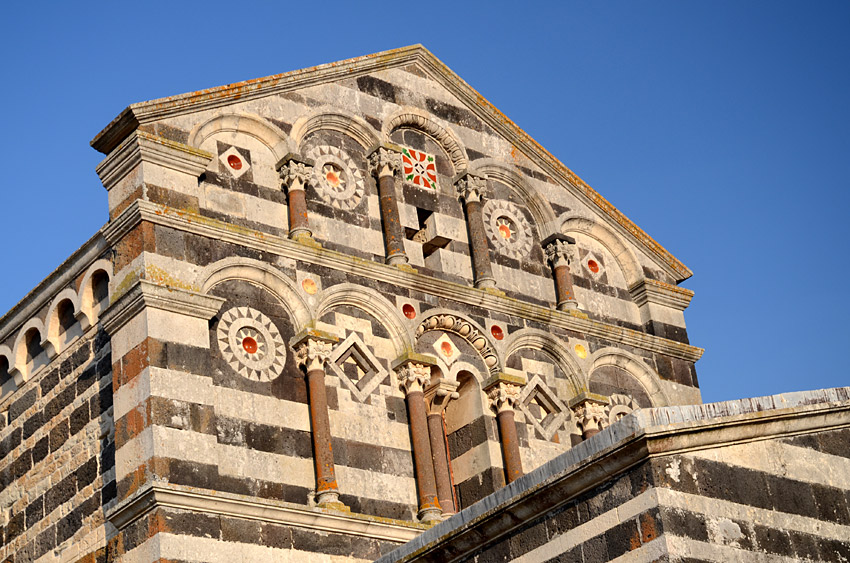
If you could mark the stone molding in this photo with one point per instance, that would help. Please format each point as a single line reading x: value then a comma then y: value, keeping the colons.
x: 590, y: 411
x: 471, y: 188
x: 413, y: 371
x: 167, y: 495
x: 146, y: 294
x: 439, y: 393
x: 144, y: 147
x: 560, y: 249
x: 415, y: 118
x: 334, y: 119
x: 641, y: 435
x: 219, y: 230
x: 660, y: 293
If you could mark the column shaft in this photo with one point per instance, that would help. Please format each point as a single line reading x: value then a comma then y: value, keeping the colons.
x: 442, y: 475
x: 298, y: 222
x: 482, y: 270
x: 393, y: 231
x: 422, y: 459
x: 510, y: 445
x: 564, y: 286
x: 327, y: 489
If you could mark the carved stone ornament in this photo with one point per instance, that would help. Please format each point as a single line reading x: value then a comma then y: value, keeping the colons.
x: 313, y: 353
x: 590, y: 415
x: 465, y: 330
x: 503, y: 397
x: 336, y: 178
x: 560, y: 253
x: 413, y: 377
x: 384, y: 162
x: 295, y: 175
x: 251, y: 344
x: 507, y: 228
x: 471, y: 188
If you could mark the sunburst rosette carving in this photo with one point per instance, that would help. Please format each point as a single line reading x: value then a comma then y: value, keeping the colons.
x: 620, y: 406
x: 507, y: 228
x: 251, y: 344
x: 336, y: 178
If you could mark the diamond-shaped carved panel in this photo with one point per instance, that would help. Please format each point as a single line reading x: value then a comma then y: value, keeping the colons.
x: 357, y: 368
x: 542, y: 407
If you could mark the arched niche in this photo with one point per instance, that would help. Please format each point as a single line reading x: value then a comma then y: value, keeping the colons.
x: 633, y: 367
x: 93, y: 296
x: 61, y: 325
x: 7, y: 380
x: 418, y: 120
x: 540, y: 210
x: 28, y: 354
x: 442, y: 320
x: 262, y: 275
x: 622, y: 254
x: 373, y: 303
x: 553, y: 348
x: 334, y: 120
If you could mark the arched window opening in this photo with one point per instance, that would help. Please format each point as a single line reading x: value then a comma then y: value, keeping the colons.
x: 100, y: 289
x: 65, y: 315
x: 4, y: 371
x: 32, y: 342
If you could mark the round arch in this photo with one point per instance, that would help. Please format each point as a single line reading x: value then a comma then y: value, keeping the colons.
x: 552, y: 347
x: 624, y: 256
x: 19, y: 352
x: 254, y: 126
x: 373, y: 303
x: 466, y: 328
x: 85, y: 297
x: 262, y: 275
x: 414, y: 118
x: 539, y: 208
x: 635, y: 367
x: 52, y: 328
x: 335, y: 120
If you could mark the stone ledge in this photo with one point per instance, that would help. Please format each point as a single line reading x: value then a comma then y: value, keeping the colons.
x: 660, y: 293
x: 641, y: 435
x: 167, y: 495
x: 142, y: 210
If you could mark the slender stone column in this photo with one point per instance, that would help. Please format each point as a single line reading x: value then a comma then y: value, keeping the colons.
x: 294, y: 175
x: 503, y: 392
x: 384, y: 162
x: 472, y: 191
x: 414, y: 372
x: 560, y: 251
x: 437, y: 397
x: 589, y: 412
x: 312, y: 350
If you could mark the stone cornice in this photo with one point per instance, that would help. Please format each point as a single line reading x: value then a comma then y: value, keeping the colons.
x: 660, y: 293
x: 639, y: 436
x: 145, y: 294
x: 166, y: 495
x: 218, y: 230
x: 140, y: 146
x: 138, y: 114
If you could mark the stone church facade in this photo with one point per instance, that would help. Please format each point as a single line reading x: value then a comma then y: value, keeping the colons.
x: 335, y: 307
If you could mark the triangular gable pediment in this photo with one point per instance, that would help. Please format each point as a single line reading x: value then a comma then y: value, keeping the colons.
x: 423, y: 60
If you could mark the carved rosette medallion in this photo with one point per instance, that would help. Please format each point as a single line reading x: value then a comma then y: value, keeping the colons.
x: 251, y: 344
x: 336, y: 178
x: 507, y: 228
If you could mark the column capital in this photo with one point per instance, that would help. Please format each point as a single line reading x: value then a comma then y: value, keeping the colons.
x: 294, y: 171
x: 503, y: 391
x: 414, y: 372
x: 313, y: 348
x: 438, y: 394
x: 471, y: 188
x: 560, y: 249
x: 589, y: 412
x: 385, y: 160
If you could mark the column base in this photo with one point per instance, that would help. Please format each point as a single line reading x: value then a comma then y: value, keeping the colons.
x: 329, y: 500
x: 485, y: 283
x: 397, y: 259
x: 567, y: 305
x: 432, y: 515
x: 305, y: 238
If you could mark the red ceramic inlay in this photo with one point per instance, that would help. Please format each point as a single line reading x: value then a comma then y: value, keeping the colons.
x: 332, y: 178
x: 594, y: 267
x: 497, y: 332
x: 409, y: 311
x: 505, y: 231
x: 446, y: 348
x: 234, y: 161
x: 249, y: 344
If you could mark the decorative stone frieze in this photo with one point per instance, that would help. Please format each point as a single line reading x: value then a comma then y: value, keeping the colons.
x: 561, y: 252
x: 467, y: 331
x: 590, y: 412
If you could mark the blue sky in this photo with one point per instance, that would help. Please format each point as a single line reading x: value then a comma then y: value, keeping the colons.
x: 721, y: 128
